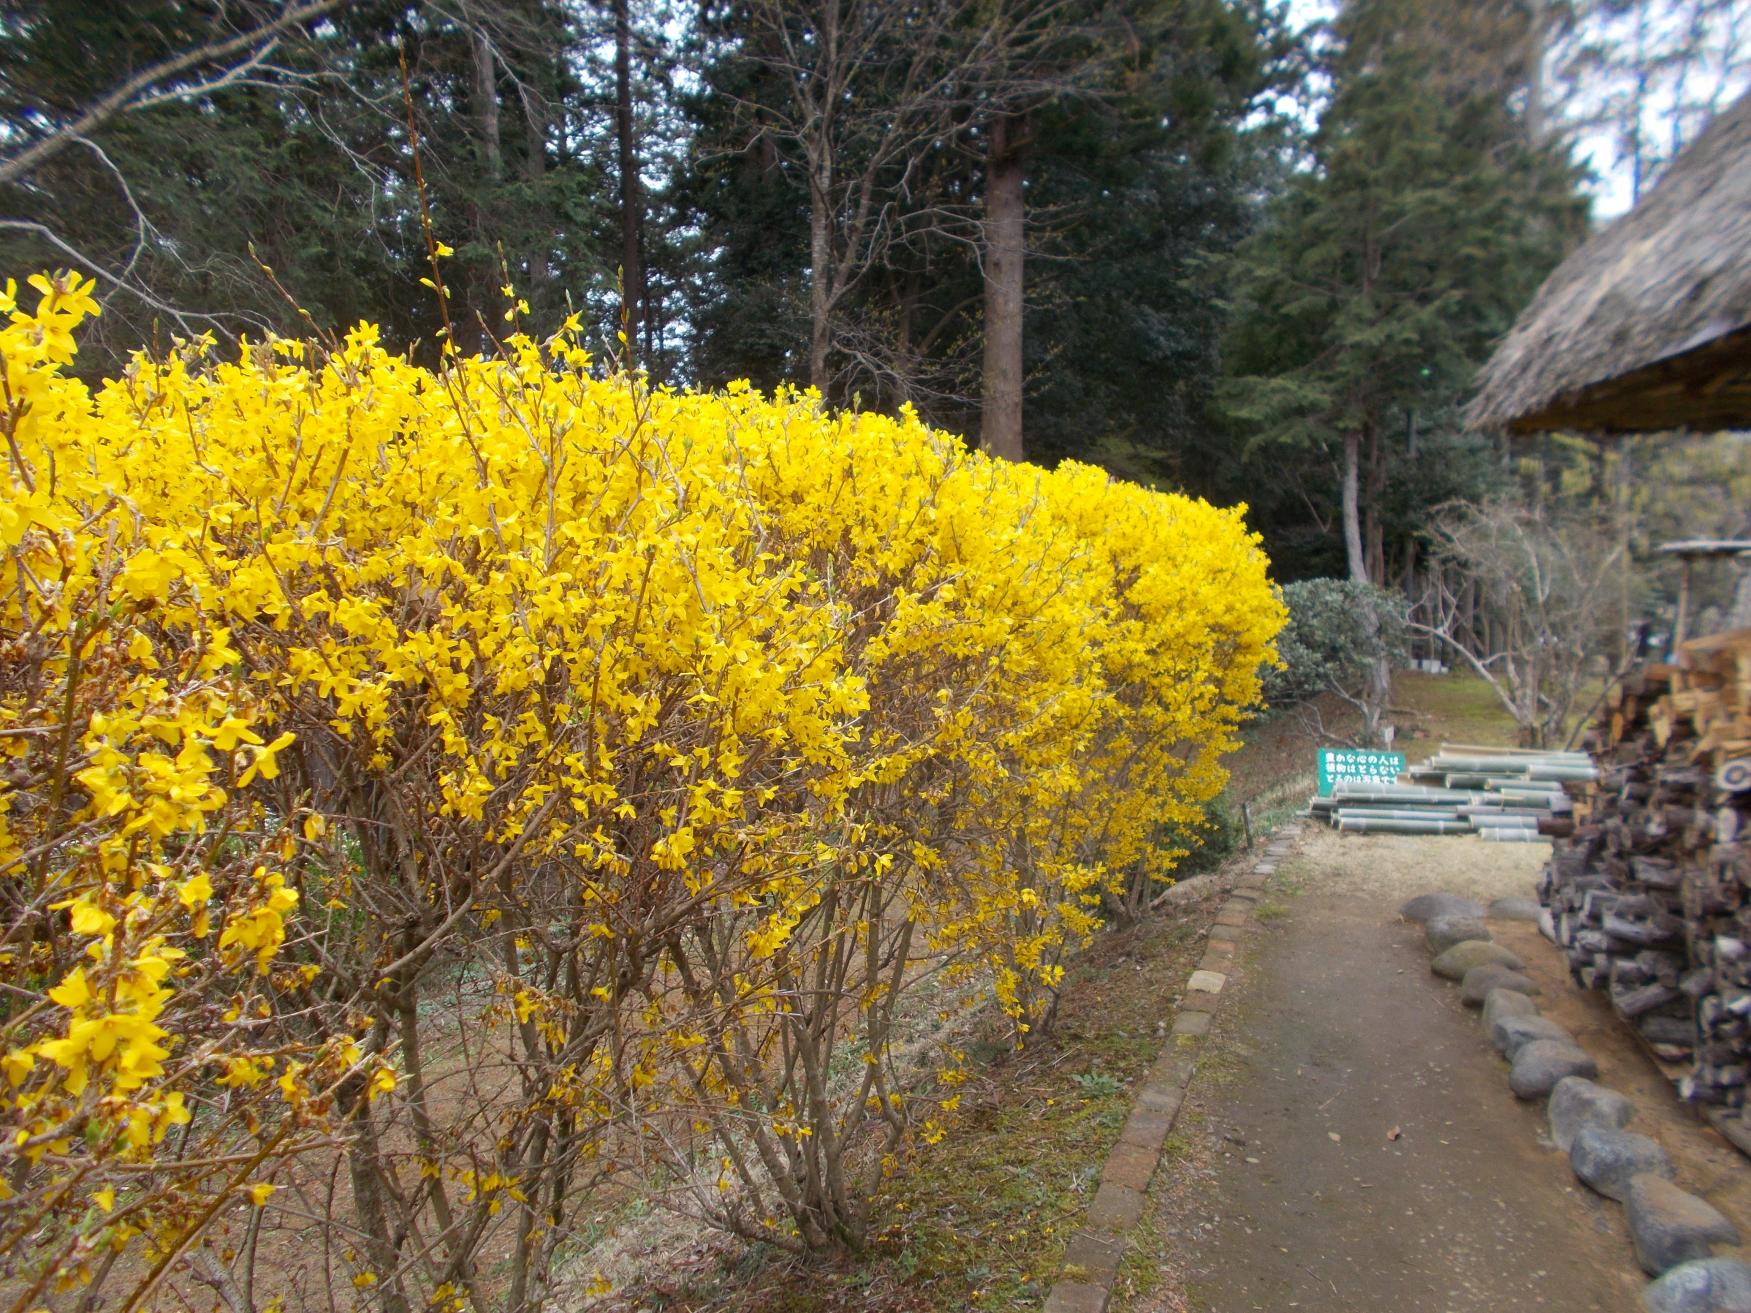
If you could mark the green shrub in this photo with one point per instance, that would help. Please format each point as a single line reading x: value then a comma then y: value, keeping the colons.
x: 1338, y: 630
x: 1210, y: 844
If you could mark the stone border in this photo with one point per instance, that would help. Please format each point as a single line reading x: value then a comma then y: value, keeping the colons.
x: 1674, y: 1233
x: 1091, y: 1262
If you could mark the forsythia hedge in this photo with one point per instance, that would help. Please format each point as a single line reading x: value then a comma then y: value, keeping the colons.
x: 425, y: 792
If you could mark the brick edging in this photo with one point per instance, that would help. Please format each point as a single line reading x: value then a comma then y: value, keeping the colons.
x: 1091, y: 1262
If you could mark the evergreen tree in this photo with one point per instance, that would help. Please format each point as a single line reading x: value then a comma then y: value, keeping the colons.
x: 1136, y: 170
x: 1380, y: 279
x: 743, y: 275
x: 300, y: 149
x: 1135, y: 198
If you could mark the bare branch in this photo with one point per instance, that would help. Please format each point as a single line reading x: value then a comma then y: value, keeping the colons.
x: 183, y: 316
x: 130, y: 92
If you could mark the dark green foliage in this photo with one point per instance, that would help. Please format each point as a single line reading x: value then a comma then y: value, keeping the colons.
x: 306, y: 157
x: 745, y: 204
x: 1210, y: 844
x: 1136, y: 198
x: 167, y: 197
x: 1139, y: 170
x: 1330, y: 644
x: 1384, y: 274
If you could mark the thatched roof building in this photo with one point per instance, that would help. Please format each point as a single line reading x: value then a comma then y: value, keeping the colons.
x: 1648, y: 325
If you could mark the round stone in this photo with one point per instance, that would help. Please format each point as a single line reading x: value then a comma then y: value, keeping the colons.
x: 1607, y: 1158
x: 1703, y: 1285
x: 1442, y: 932
x: 1576, y: 1103
x: 1671, y: 1226
x: 1542, y: 1063
x: 1481, y: 981
x: 1425, y: 907
x: 1510, y: 1034
x: 1514, y: 909
x: 1456, y: 961
x: 1500, y: 1003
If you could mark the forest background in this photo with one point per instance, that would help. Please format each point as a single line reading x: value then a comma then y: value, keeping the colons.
x: 1251, y: 252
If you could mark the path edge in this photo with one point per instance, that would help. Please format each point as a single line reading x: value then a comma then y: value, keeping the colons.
x: 1091, y: 1261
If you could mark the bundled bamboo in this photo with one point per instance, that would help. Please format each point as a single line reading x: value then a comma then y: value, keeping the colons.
x: 1651, y: 898
x: 1501, y: 794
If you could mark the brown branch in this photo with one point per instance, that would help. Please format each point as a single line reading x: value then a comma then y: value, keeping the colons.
x: 125, y: 93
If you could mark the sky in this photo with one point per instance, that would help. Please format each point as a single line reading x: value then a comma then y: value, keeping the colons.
x: 1591, y: 72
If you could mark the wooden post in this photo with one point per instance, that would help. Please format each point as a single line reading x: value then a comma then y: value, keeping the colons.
x: 1246, y: 823
x: 1623, y: 564
x: 1683, y: 603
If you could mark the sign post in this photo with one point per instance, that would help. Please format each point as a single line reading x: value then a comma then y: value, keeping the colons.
x: 1362, y: 765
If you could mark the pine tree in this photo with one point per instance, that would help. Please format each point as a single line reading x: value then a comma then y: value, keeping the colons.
x: 1379, y: 280
x: 298, y: 157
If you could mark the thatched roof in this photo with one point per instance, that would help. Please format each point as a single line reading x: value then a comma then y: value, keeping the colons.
x: 1648, y: 325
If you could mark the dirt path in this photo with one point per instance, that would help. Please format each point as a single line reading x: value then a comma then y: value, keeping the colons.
x: 1291, y: 1194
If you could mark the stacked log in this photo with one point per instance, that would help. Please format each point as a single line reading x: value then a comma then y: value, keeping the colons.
x: 1651, y: 896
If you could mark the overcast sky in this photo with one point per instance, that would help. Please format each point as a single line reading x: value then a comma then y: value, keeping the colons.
x: 1720, y: 27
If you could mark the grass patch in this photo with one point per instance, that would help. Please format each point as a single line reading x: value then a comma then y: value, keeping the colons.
x: 1221, y: 1063
x: 1454, y: 708
x: 1288, y: 881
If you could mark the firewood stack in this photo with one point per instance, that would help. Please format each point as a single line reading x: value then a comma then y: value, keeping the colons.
x: 1651, y: 897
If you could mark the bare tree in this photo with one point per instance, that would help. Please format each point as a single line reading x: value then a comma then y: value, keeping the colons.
x: 871, y: 86
x: 1545, y: 582
x: 240, y: 50
x: 1646, y: 75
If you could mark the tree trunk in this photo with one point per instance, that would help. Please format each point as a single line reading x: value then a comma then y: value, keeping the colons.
x: 820, y: 257
x: 364, y: 1156
x: 631, y: 200
x: 1000, y: 427
x: 1538, y: 26
x: 818, y: 133
x: 1374, y: 488
x: 486, y: 108
x: 1352, y: 509
x: 482, y: 279
x: 1377, y: 691
x: 534, y: 169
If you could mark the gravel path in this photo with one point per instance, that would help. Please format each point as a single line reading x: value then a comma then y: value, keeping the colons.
x: 1292, y: 1191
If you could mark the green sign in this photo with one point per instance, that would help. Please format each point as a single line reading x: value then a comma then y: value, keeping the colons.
x: 1362, y: 764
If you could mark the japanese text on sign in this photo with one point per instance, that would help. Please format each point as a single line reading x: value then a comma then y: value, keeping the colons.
x: 1337, y: 764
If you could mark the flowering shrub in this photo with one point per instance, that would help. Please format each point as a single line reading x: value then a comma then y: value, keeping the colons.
x: 421, y: 790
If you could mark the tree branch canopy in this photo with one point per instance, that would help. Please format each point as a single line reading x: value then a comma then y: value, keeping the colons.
x: 129, y: 92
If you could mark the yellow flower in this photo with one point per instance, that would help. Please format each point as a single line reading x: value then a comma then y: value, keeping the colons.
x: 680, y: 719
x: 265, y: 760
x: 195, y: 891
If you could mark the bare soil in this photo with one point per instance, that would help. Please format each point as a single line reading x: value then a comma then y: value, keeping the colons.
x: 1351, y: 1142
